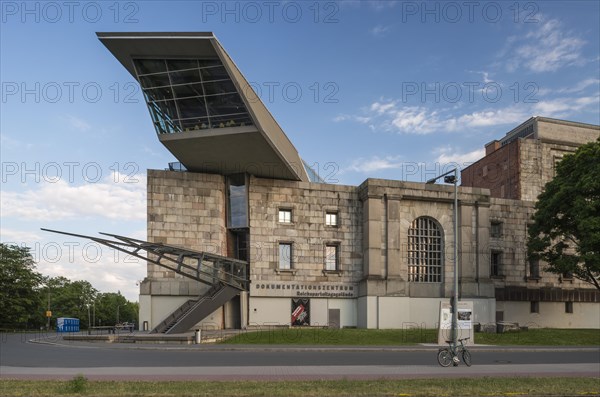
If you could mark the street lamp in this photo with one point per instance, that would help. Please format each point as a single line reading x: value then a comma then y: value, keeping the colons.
x: 89, y: 319
x: 449, y: 178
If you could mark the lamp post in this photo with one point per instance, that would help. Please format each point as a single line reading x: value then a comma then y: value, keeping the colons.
x: 449, y: 178
x: 89, y: 319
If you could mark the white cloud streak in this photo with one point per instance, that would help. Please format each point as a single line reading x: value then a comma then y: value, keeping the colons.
x: 548, y: 48
x: 448, y: 155
x: 380, y: 30
x: 376, y: 163
x: 111, y: 198
x: 17, y: 236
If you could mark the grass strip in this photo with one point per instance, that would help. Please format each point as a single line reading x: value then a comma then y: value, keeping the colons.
x: 407, y: 337
x: 80, y: 386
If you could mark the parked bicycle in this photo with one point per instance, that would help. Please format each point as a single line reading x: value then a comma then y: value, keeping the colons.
x: 449, y: 355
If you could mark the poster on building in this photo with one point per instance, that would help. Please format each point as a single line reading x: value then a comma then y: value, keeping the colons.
x: 300, y: 312
x: 464, y: 318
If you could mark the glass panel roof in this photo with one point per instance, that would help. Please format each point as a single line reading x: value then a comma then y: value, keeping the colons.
x: 190, y: 94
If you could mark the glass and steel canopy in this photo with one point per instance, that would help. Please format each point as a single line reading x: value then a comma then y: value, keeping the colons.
x: 190, y: 94
x: 203, y: 109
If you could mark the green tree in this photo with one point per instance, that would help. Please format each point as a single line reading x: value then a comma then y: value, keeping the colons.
x: 20, y: 305
x: 70, y: 298
x: 566, y: 229
x: 113, y: 307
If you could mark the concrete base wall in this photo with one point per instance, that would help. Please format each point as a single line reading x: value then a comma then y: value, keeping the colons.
x: 269, y: 311
x: 552, y: 314
x: 377, y: 312
x: 278, y: 311
x: 365, y: 312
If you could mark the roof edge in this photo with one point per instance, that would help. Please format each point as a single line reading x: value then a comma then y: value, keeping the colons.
x: 154, y: 35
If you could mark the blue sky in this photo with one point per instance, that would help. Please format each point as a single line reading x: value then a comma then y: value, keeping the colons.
x: 390, y: 89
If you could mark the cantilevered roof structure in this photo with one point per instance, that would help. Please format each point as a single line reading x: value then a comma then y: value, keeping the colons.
x: 204, y: 110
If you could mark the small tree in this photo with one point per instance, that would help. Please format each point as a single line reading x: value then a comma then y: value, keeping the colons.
x: 566, y: 224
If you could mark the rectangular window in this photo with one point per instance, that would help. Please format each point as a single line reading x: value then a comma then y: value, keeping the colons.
x: 567, y: 276
x: 331, y: 257
x: 495, y: 263
x: 534, y: 268
x: 534, y: 307
x: 496, y: 229
x: 285, y: 256
x: 568, y: 307
x: 237, y: 206
x: 331, y: 219
x: 285, y: 216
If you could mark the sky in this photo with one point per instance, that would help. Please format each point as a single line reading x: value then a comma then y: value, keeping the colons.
x: 364, y: 89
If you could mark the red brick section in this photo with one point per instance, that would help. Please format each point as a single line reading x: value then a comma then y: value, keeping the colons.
x: 498, y: 171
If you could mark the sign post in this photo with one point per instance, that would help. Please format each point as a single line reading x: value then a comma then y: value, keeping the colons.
x: 464, y: 322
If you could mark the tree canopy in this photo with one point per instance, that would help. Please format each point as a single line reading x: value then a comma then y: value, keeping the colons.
x: 566, y: 224
x: 19, y: 288
x: 25, y: 295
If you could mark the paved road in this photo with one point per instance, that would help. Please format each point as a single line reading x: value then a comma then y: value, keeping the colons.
x: 21, y: 359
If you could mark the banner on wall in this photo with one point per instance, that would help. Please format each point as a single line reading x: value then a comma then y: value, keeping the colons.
x: 300, y: 312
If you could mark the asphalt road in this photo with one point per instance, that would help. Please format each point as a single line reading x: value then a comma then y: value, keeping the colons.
x: 21, y: 358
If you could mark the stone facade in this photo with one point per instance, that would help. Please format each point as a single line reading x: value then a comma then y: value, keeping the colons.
x: 515, y: 169
x: 370, y: 286
x: 519, y: 165
x: 307, y: 231
x: 186, y: 210
x: 375, y: 282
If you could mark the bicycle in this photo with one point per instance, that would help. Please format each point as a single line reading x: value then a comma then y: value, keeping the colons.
x: 449, y: 355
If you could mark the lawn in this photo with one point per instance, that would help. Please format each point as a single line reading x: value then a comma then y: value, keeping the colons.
x: 415, y: 387
x: 408, y: 337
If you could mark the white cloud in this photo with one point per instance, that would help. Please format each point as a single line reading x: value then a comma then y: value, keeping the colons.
x: 484, y: 75
x: 17, y: 236
x: 422, y: 120
x: 579, y: 87
x: 386, y: 115
x: 563, y: 107
x: 8, y: 142
x: 380, y: 5
x: 447, y: 155
x: 582, y: 85
x: 112, y: 198
x: 78, y: 123
x: 486, y: 118
x: 347, y: 117
x: 376, y: 163
x: 380, y: 30
x: 416, y: 120
x: 546, y: 49
x: 381, y: 108
x: 106, y: 269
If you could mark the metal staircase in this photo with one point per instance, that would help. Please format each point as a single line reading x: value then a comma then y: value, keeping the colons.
x: 195, y: 310
x: 226, y: 276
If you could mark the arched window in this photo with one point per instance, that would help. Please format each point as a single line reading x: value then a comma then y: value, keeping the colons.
x: 425, y: 251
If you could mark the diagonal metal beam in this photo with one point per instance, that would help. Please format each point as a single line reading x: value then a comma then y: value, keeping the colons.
x: 173, y: 258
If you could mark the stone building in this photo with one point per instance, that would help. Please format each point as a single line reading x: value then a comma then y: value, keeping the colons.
x: 519, y: 165
x: 376, y: 255
x: 515, y: 170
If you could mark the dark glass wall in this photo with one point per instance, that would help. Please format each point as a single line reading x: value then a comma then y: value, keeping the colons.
x: 237, y: 206
x: 190, y: 94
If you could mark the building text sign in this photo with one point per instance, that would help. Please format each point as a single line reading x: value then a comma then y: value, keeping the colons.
x: 303, y: 289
